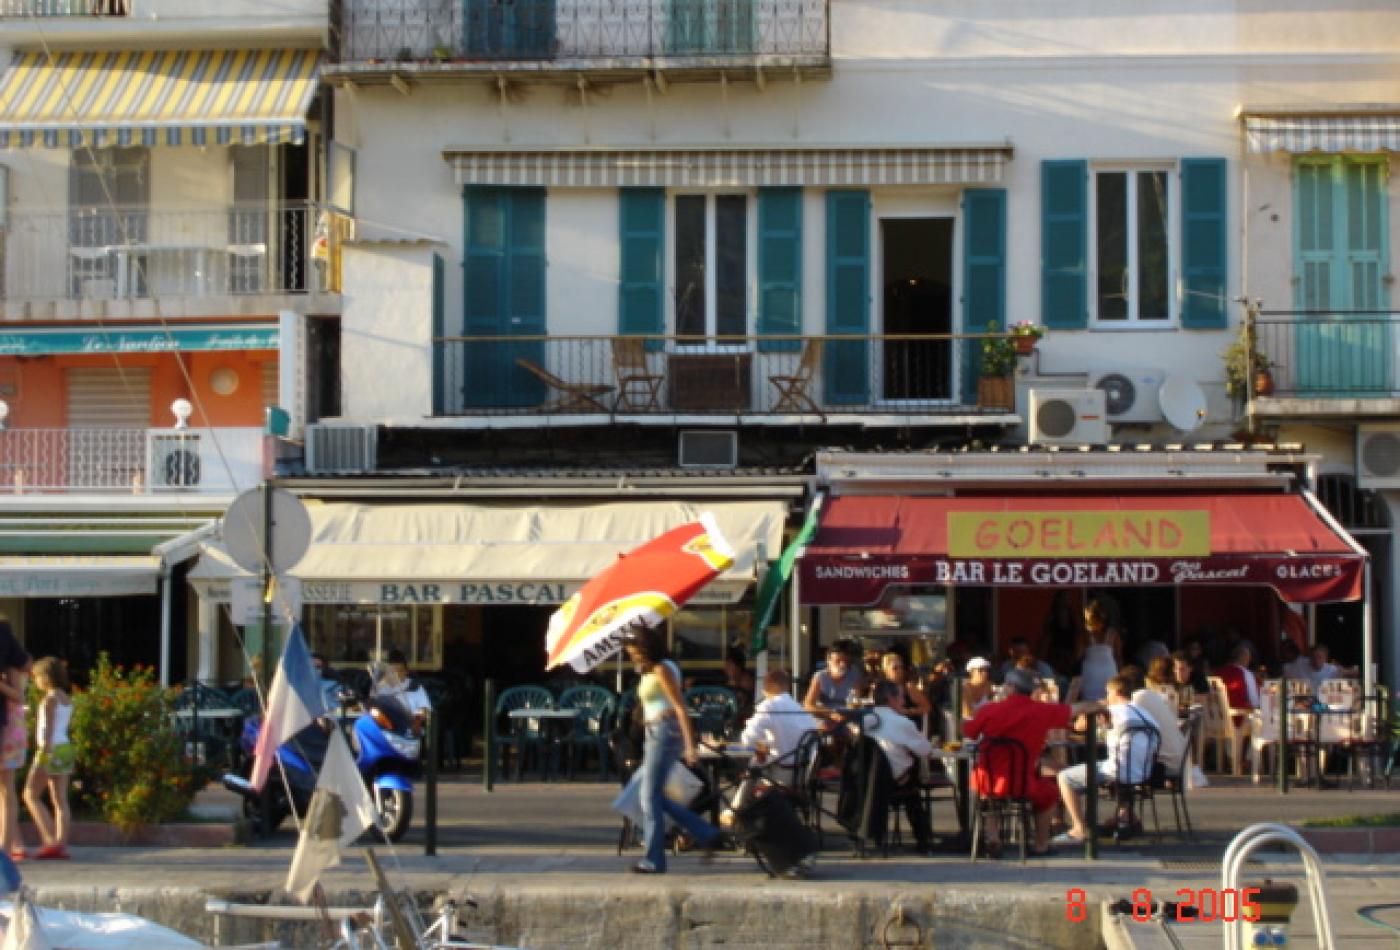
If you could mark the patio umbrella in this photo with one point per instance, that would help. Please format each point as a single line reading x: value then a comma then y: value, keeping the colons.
x: 642, y: 587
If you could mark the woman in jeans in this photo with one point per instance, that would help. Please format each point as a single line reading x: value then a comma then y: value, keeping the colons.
x: 668, y: 732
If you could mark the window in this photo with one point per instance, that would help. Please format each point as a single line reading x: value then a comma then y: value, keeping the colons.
x: 1131, y: 246
x: 346, y: 634
x: 108, y: 194
x: 711, y: 265
x: 700, y: 635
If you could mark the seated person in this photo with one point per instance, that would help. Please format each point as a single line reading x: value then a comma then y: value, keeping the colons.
x: 777, y: 725
x: 1021, y: 718
x: 903, y: 744
x: 1018, y: 649
x: 1074, y: 779
x: 835, y: 687
x: 1241, y: 687
x: 911, y: 700
x: 407, y: 689
x: 1171, y: 747
x: 738, y: 678
x: 978, y: 688
x: 1317, y: 668
x: 1295, y: 665
x: 330, y: 686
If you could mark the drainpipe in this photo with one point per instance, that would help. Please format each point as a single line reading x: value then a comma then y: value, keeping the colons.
x: 164, y: 623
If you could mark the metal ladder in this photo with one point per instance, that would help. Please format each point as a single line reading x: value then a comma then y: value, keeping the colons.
x: 1246, y: 843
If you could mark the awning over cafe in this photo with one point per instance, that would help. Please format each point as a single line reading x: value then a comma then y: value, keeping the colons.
x: 79, y: 575
x: 492, y: 554
x: 1286, y: 541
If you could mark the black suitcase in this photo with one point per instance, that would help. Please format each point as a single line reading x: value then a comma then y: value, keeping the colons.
x: 773, y: 833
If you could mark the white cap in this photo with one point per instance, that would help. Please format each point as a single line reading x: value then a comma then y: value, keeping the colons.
x: 978, y: 663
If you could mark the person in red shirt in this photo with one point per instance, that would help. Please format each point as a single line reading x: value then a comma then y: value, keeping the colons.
x: 1020, y: 717
x: 1240, y: 685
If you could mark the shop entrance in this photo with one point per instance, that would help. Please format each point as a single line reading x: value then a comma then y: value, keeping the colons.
x: 512, y: 645
x: 917, y: 300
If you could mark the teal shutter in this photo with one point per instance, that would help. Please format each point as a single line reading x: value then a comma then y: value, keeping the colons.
x: 504, y: 287
x: 984, y: 275
x: 847, y: 297
x: 641, y: 224
x: 1366, y: 245
x: 779, y: 267
x: 1064, y: 236
x: 1203, y: 243
x: 1314, y: 237
x: 439, y: 346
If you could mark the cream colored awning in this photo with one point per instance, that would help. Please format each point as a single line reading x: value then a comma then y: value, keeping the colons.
x: 459, y: 553
x: 1367, y: 131
x: 77, y: 575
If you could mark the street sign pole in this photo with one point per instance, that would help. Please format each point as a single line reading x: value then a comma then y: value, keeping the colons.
x: 267, y: 586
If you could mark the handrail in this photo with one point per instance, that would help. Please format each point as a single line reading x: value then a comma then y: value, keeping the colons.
x: 1246, y: 843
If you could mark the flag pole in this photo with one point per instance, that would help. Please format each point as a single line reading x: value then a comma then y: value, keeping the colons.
x: 760, y: 667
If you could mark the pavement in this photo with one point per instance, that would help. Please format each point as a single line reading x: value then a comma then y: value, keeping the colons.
x: 546, y: 841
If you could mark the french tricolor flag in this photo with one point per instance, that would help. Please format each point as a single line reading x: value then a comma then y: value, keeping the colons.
x: 293, y: 702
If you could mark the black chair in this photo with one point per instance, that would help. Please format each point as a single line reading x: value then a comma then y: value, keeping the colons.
x: 1173, y: 781
x: 1003, y: 758
x: 797, y: 776
x: 1134, y: 782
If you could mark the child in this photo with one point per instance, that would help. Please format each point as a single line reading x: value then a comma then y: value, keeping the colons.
x: 53, y: 759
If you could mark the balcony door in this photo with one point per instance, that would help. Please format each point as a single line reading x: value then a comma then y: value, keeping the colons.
x: 916, y: 302
x: 109, y: 413
x: 710, y: 27
x: 109, y: 193
x: 510, y: 29
x: 1343, y: 342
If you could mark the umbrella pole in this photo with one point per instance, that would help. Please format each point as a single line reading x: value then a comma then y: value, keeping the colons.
x: 618, y: 689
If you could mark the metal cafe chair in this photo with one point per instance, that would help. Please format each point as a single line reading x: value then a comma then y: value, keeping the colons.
x: 1003, y: 759
x: 1133, y: 784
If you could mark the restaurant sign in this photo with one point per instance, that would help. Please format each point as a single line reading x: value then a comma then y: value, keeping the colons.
x: 827, y: 579
x: 1078, y: 534
x: 457, y: 592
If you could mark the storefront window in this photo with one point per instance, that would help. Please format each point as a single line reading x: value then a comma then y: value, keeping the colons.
x: 701, y: 634
x: 903, y: 613
x: 347, y: 634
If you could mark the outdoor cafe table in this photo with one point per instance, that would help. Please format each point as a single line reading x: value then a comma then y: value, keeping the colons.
x: 713, y: 759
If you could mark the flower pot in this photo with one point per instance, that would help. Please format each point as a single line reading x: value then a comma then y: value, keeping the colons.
x: 996, y: 392
x: 1263, y: 383
x: 1025, y: 345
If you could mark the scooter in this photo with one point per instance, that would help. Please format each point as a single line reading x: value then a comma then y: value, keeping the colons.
x: 387, y: 755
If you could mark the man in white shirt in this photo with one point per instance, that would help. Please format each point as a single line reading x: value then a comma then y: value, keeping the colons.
x: 1172, y: 748
x: 903, y: 745
x: 1319, y: 669
x: 1134, y: 767
x: 777, y: 725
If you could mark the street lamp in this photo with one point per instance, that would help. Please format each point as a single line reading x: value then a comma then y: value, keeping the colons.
x: 182, y: 409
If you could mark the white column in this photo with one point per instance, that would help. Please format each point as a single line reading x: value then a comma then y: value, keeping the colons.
x: 207, y: 654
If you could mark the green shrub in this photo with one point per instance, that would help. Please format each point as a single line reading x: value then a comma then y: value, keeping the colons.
x: 132, y: 768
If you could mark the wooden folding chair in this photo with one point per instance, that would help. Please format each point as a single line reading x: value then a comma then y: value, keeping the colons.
x: 638, y: 388
x: 792, y: 389
x: 573, y: 397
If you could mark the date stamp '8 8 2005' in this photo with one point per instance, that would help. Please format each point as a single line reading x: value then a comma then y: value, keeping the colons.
x: 1190, y: 905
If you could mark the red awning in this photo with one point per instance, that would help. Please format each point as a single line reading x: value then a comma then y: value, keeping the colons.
x: 868, y: 542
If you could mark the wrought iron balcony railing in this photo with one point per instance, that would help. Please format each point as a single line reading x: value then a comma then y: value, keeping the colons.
x: 141, y: 461
x: 1315, y: 354
x: 63, y: 8
x: 532, y: 30
x: 134, y: 253
x: 798, y: 377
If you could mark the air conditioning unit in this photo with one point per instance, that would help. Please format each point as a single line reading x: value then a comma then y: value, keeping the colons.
x: 340, y: 447
x: 1131, y: 394
x: 174, y: 461
x: 709, y: 448
x: 1378, y: 456
x: 1068, y: 416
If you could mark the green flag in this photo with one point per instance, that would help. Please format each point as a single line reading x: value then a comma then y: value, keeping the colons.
x: 766, y: 601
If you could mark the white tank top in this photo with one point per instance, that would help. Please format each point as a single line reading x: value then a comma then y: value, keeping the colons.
x: 62, y: 715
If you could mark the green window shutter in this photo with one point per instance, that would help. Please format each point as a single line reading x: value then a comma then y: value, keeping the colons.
x: 984, y: 275
x: 641, y: 225
x: 439, y: 347
x: 1064, y: 236
x: 483, y: 280
x: 847, y: 296
x: 1366, y: 251
x: 779, y: 267
x: 1314, y: 238
x: 1203, y: 243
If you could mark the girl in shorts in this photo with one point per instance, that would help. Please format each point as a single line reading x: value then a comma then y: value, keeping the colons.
x: 53, y: 759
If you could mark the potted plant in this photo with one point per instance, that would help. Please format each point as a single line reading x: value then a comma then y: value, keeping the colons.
x: 1248, y: 372
x: 995, y: 387
x: 1025, y: 335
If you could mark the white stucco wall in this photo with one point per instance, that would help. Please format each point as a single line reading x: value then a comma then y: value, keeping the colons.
x: 386, y: 333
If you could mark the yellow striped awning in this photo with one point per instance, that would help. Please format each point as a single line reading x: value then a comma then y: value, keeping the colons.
x: 151, y: 97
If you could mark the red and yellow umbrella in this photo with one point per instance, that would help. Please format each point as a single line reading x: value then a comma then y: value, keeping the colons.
x: 644, y: 586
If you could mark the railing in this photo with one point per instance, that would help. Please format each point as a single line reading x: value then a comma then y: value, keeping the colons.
x: 134, y: 253
x: 1313, y: 354
x: 60, y: 8
x: 139, y: 461
x: 497, y: 30
x: 808, y: 377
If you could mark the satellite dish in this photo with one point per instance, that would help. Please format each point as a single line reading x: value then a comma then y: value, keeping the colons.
x: 1183, y: 402
x: 244, y: 535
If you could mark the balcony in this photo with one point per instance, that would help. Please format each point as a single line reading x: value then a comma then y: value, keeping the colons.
x: 64, y: 8
x: 1329, y: 363
x: 867, y: 380
x: 119, y: 261
x: 132, y: 461
x: 540, y: 39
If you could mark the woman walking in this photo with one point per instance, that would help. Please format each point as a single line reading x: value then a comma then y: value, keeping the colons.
x: 669, y: 737
x: 53, y: 760
x: 14, y: 738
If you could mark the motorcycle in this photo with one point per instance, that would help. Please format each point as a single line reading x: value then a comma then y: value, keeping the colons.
x: 387, y: 750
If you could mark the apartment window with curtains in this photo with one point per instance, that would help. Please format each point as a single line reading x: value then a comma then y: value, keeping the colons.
x: 1131, y: 247
x: 711, y: 264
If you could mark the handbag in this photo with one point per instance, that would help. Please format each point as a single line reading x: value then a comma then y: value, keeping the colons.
x: 682, y: 785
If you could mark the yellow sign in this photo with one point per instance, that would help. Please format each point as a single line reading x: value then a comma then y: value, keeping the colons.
x: 1101, y: 534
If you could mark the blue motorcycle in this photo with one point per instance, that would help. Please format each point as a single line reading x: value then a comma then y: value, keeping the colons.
x: 387, y: 751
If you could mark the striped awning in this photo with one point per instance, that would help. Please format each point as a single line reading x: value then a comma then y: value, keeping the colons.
x: 153, y: 97
x: 1330, y: 134
x: 754, y: 167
